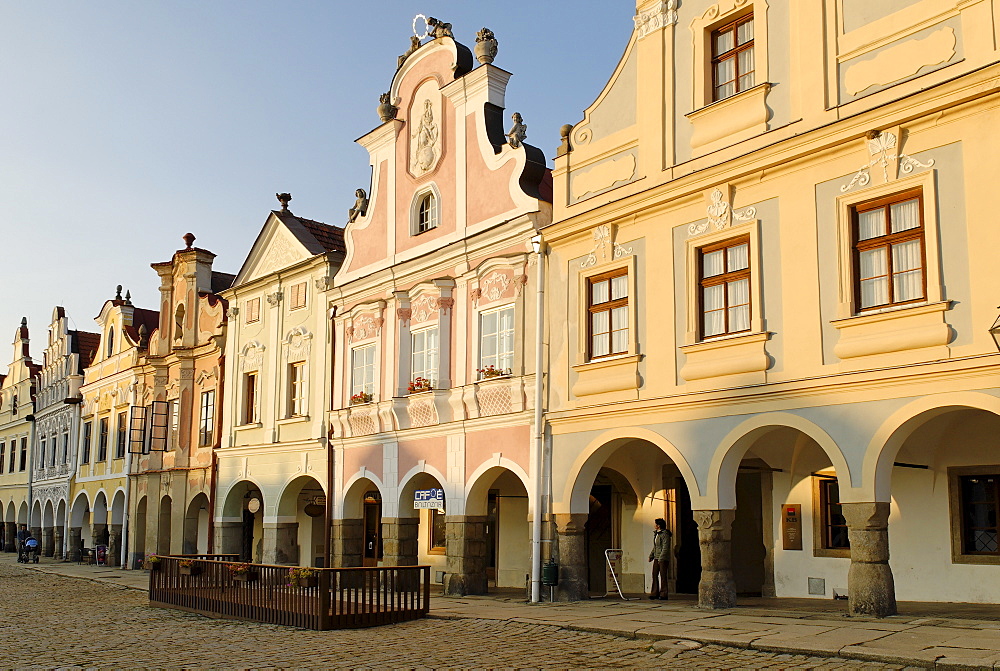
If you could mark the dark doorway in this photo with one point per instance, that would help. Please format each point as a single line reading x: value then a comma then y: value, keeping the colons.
x: 246, y: 547
x: 373, y: 529
x: 688, y: 552
x: 492, y: 525
x: 748, y: 535
x: 599, y: 532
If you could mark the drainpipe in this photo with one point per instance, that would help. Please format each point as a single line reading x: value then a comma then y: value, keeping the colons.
x: 539, y: 438
x: 125, y: 515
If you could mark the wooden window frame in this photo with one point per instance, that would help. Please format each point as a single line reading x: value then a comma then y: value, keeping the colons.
x: 252, y: 306
x: 725, y: 278
x: 104, y: 431
x: 607, y: 306
x: 357, y: 388
x: 88, y: 433
x: 298, y: 298
x: 433, y: 215
x: 733, y: 54
x: 500, y: 357
x: 433, y: 548
x: 23, y: 465
x: 887, y: 241
x: 3, y: 454
x: 251, y: 388
x: 956, y: 502
x: 296, y: 389
x: 206, y: 427
x: 121, y: 433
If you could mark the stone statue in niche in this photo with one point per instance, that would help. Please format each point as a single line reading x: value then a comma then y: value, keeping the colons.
x: 486, y: 46
x: 414, y: 45
x: 426, y: 135
x: 518, y: 132
x: 360, y: 206
x: 439, y: 28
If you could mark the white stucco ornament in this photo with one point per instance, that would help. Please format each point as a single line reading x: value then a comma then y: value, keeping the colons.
x: 881, y: 152
x: 658, y: 16
x: 418, y: 19
x: 604, y: 239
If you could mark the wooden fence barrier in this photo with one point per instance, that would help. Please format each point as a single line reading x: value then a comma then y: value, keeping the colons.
x: 335, y: 598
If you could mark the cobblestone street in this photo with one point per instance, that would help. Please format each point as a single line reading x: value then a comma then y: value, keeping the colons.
x: 53, y: 621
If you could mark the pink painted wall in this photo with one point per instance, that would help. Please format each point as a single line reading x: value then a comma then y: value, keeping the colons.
x: 512, y: 443
x: 369, y: 456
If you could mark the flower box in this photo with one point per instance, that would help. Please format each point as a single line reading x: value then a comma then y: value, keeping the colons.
x: 249, y: 576
x: 189, y: 570
x: 305, y: 581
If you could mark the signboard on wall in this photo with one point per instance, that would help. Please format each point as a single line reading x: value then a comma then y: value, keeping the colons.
x: 791, y: 526
x: 430, y: 499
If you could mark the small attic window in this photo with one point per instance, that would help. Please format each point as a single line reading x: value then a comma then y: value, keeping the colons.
x: 425, y: 213
x: 179, y: 322
x: 111, y: 341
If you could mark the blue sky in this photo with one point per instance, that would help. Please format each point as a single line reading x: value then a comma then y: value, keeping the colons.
x: 127, y: 124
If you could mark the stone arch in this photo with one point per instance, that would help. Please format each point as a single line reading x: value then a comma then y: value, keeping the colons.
x: 139, y: 542
x: 721, y: 494
x: 163, y: 540
x: 100, y: 507
x: 232, y: 498
x: 48, y: 515
x: 584, y: 470
x: 354, y: 491
x: 36, y: 514
x: 240, y: 531
x: 289, y: 492
x: 479, y: 482
x: 118, y: 507
x: 81, y: 506
x: 421, y: 473
x: 22, y: 513
x: 61, y: 512
x: 196, y: 525
x: 11, y: 514
x: 900, y: 425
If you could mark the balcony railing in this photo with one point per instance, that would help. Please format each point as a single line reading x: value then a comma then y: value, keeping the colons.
x: 336, y: 598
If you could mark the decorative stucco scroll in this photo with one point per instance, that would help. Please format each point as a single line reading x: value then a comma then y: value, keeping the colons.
x: 604, y: 240
x: 252, y: 356
x: 882, y: 152
x: 658, y: 16
x: 298, y: 343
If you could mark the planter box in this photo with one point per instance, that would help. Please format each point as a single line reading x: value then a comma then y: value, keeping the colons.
x: 189, y: 570
x: 249, y: 576
x: 308, y: 581
x: 151, y: 566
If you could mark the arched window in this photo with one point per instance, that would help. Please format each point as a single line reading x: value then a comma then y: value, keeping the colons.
x: 179, y: 322
x: 111, y: 341
x: 426, y: 213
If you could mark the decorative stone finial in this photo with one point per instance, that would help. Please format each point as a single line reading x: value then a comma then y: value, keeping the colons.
x: 188, y: 239
x: 284, y: 199
x: 564, y: 132
x: 24, y: 321
x: 414, y: 45
x: 128, y: 298
x: 517, y: 133
x: 360, y: 206
x: 386, y: 110
x: 143, y: 335
x: 118, y: 292
x: 486, y: 46
x: 439, y: 28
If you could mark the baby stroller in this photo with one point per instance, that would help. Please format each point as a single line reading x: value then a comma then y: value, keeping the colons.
x: 29, y: 552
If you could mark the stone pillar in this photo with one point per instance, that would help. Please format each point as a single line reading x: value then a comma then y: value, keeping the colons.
x: 36, y: 533
x: 115, y: 545
x: 228, y: 538
x: 870, y: 587
x: 57, y: 543
x: 281, y: 543
x: 99, y: 534
x: 399, y: 541
x: 47, y: 537
x: 715, y: 540
x: 571, y: 555
x: 466, y: 550
x: 347, y: 539
x: 75, y: 543
x: 10, y: 535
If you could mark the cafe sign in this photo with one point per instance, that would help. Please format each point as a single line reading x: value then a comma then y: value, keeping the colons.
x: 429, y: 499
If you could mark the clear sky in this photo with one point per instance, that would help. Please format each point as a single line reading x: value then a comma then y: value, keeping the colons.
x: 126, y: 124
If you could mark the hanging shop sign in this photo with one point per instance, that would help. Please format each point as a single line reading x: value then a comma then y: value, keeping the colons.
x: 430, y: 499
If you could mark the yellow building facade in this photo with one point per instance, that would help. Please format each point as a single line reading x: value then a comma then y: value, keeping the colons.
x: 17, y: 426
x: 771, y: 282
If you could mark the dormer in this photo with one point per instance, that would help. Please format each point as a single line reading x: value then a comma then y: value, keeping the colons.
x: 442, y: 132
x: 123, y: 327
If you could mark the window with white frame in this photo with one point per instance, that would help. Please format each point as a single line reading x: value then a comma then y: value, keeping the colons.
x: 426, y: 214
x: 732, y: 58
x: 297, y: 389
x: 250, y: 415
x: 889, y: 251
x: 496, y: 340
x: 173, y: 408
x: 206, y: 428
x: 424, y: 355
x: 363, y: 370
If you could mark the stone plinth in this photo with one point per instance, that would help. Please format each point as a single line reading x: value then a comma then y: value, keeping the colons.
x: 48, y: 538
x: 571, y: 555
x: 347, y: 538
x: 57, y: 542
x: 715, y: 539
x: 869, y: 580
x: 399, y: 541
x: 281, y: 543
x: 466, y: 549
x: 75, y: 543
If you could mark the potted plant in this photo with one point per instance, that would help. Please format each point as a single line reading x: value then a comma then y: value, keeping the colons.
x: 361, y: 398
x: 242, y: 572
x: 418, y: 385
x: 188, y: 567
x: 151, y: 562
x: 492, y: 371
x: 300, y: 576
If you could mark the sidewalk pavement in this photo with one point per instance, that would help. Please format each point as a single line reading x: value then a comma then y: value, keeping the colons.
x: 924, y: 634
